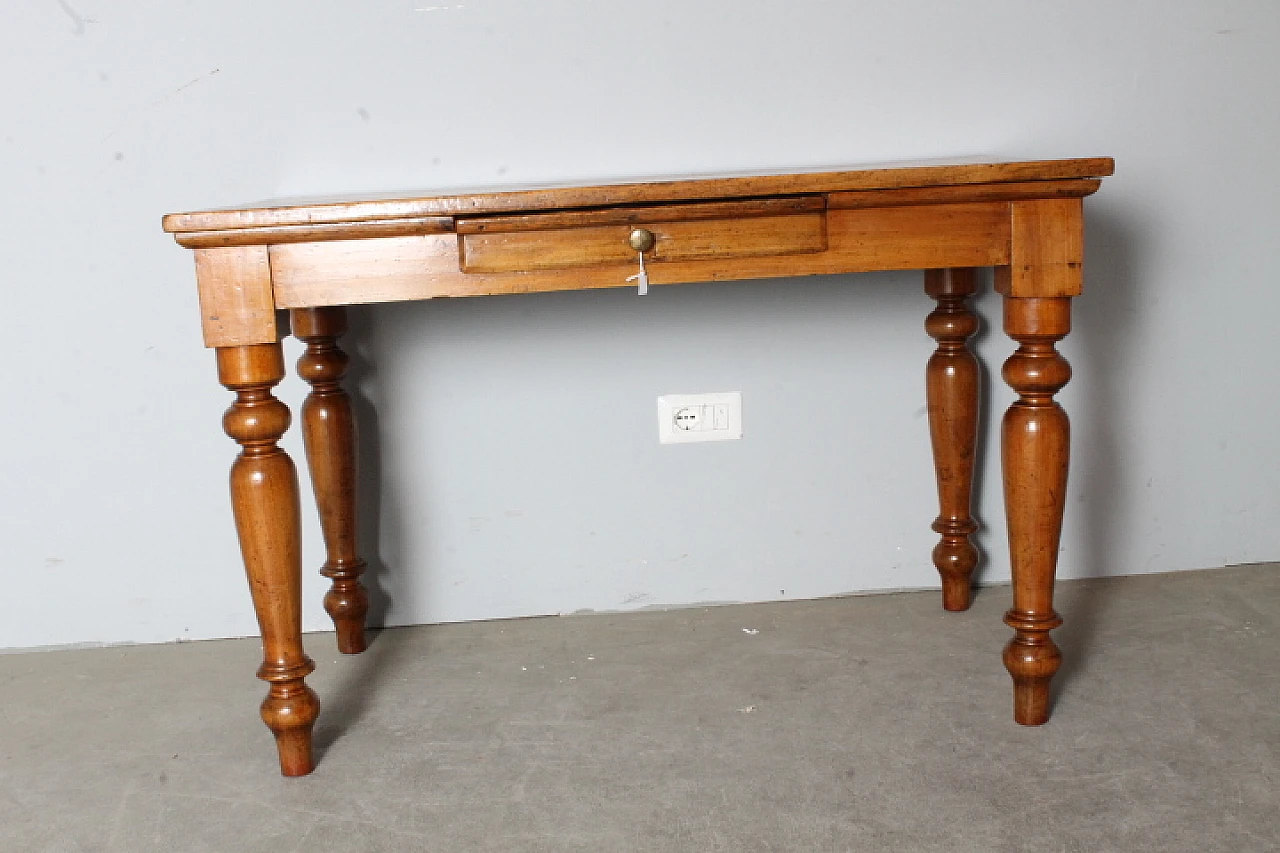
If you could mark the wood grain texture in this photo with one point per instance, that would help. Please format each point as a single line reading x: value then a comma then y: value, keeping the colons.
x: 309, y: 233
x: 749, y: 237
x: 1047, y: 249
x: 963, y: 193
x: 1025, y: 219
x: 951, y: 385
x: 392, y: 269
x: 264, y: 501
x: 641, y: 215
x: 1035, y: 450
x: 236, y: 302
x: 646, y: 192
x: 329, y: 436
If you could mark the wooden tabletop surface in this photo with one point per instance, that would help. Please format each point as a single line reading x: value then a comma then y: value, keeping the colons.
x: 335, y: 211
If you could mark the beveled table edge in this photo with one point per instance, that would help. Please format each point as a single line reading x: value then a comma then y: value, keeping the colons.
x: 638, y: 192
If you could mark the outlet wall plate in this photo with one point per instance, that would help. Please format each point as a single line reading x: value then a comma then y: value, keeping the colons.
x: 686, y: 418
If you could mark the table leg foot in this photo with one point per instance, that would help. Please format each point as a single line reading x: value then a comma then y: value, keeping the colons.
x: 1035, y: 448
x: 329, y: 434
x: 951, y: 384
x: 264, y: 500
x: 290, y: 711
x: 1032, y: 658
x: 347, y: 603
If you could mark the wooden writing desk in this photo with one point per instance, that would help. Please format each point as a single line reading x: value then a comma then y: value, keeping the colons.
x: 1024, y: 219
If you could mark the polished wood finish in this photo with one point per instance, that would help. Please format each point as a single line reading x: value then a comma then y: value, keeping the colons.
x: 394, y: 269
x: 1047, y: 254
x: 264, y: 500
x: 1024, y: 219
x: 963, y: 193
x: 733, y: 210
x: 603, y: 245
x: 329, y: 435
x: 951, y: 383
x: 237, y: 305
x: 650, y: 191
x: 311, y: 233
x: 1035, y: 447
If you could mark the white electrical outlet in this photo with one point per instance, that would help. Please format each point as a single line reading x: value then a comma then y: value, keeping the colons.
x: 685, y: 418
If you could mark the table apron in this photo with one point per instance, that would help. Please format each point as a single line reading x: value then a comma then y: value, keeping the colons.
x: 389, y: 269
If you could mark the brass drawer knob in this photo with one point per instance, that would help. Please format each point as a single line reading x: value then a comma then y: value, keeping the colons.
x: 641, y: 239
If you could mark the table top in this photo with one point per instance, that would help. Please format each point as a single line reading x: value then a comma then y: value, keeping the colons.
x: 551, y: 198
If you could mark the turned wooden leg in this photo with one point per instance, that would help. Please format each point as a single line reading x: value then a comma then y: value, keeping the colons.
x: 264, y: 498
x: 951, y: 383
x: 328, y: 430
x: 1035, y: 440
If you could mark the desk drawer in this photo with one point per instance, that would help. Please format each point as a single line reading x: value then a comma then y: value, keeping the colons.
x: 543, y: 241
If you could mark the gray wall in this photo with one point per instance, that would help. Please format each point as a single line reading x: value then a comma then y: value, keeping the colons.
x: 511, y: 449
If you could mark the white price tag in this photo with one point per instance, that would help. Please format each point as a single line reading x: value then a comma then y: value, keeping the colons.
x: 641, y: 278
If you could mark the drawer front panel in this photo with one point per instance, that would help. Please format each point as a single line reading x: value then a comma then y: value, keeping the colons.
x: 605, y: 245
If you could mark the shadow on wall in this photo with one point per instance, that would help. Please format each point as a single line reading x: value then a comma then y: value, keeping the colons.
x: 598, y: 341
x: 1102, y: 332
x: 361, y: 383
x: 1103, y: 325
x: 985, y: 305
x: 347, y: 703
x: 1103, y: 320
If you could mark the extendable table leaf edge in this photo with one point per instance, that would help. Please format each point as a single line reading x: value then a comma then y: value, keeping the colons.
x: 261, y: 270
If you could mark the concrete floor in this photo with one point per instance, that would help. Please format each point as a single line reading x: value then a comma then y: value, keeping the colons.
x: 877, y: 723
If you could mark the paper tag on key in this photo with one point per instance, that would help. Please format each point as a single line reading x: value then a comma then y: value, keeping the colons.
x: 641, y: 278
